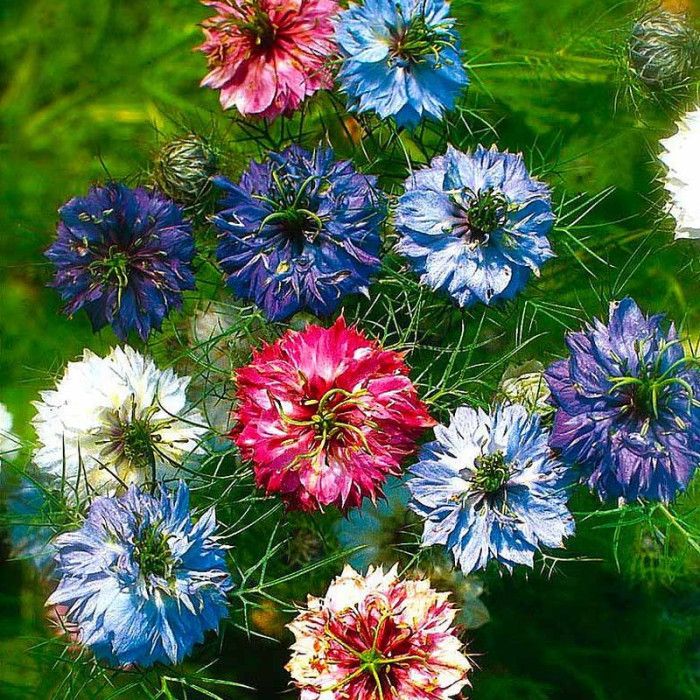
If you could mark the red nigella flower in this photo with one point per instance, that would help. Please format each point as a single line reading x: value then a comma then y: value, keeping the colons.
x: 376, y: 637
x: 267, y: 56
x: 326, y: 415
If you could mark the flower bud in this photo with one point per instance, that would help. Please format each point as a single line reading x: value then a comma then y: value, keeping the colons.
x: 525, y: 384
x: 663, y: 50
x: 183, y: 167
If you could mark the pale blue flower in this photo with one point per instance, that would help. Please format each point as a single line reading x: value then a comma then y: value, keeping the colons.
x: 489, y: 488
x: 141, y: 580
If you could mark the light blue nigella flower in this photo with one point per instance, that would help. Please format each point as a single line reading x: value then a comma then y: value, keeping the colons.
x: 141, y: 580
x: 489, y: 488
x: 475, y: 225
x: 401, y: 58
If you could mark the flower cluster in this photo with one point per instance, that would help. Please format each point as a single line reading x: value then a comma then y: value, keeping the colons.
x: 140, y: 580
x: 277, y: 386
x: 627, y: 408
x: 326, y: 415
x: 376, y: 636
x: 123, y: 255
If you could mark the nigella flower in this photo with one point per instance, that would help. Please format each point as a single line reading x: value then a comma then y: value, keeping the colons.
x: 475, y: 225
x: 116, y: 420
x: 267, y: 56
x: 627, y: 406
x: 9, y: 442
x: 141, y: 580
x: 377, y: 636
x: 682, y: 180
x: 124, y: 256
x: 489, y: 488
x: 326, y: 415
x: 300, y: 231
x: 400, y: 58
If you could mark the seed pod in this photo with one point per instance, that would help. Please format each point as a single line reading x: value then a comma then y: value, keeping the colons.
x: 183, y: 167
x: 663, y: 50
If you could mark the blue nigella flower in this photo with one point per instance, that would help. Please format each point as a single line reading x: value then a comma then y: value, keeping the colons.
x: 141, y: 580
x: 475, y: 225
x: 627, y: 406
x: 299, y: 231
x: 400, y: 58
x: 489, y: 488
x: 124, y: 256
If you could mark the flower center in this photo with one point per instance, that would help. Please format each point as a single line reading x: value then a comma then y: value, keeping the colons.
x: 492, y: 472
x: 418, y: 40
x: 114, y: 266
x: 328, y: 421
x: 137, y: 440
x: 259, y: 27
x: 152, y: 553
x: 481, y: 213
x: 293, y: 213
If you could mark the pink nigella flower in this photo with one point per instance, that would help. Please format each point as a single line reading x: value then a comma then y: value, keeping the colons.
x: 326, y: 415
x: 376, y: 637
x: 266, y: 56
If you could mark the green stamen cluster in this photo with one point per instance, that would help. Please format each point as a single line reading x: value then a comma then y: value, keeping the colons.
x: 485, y: 212
x: 291, y: 211
x: 258, y: 26
x: 114, y: 266
x: 492, y: 472
x: 152, y: 554
x: 419, y: 40
x: 138, y: 442
x: 647, y: 391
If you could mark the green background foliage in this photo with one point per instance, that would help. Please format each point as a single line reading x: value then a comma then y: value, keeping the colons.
x: 87, y: 89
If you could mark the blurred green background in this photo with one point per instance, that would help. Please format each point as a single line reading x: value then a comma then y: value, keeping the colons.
x: 85, y: 87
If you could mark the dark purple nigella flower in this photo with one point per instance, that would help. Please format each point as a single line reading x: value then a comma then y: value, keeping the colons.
x: 124, y: 256
x: 627, y: 406
x: 299, y: 231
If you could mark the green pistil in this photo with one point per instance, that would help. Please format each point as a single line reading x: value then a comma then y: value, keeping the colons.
x: 485, y: 211
x: 113, y: 267
x: 152, y: 554
x: 419, y: 40
x: 492, y: 472
x: 258, y: 26
x: 647, y: 392
x: 138, y: 443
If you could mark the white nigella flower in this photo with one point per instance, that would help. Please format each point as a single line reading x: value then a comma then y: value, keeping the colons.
x: 9, y: 442
x: 681, y: 156
x: 116, y: 420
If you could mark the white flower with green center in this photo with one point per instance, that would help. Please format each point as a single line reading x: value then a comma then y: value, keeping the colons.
x: 114, y: 421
